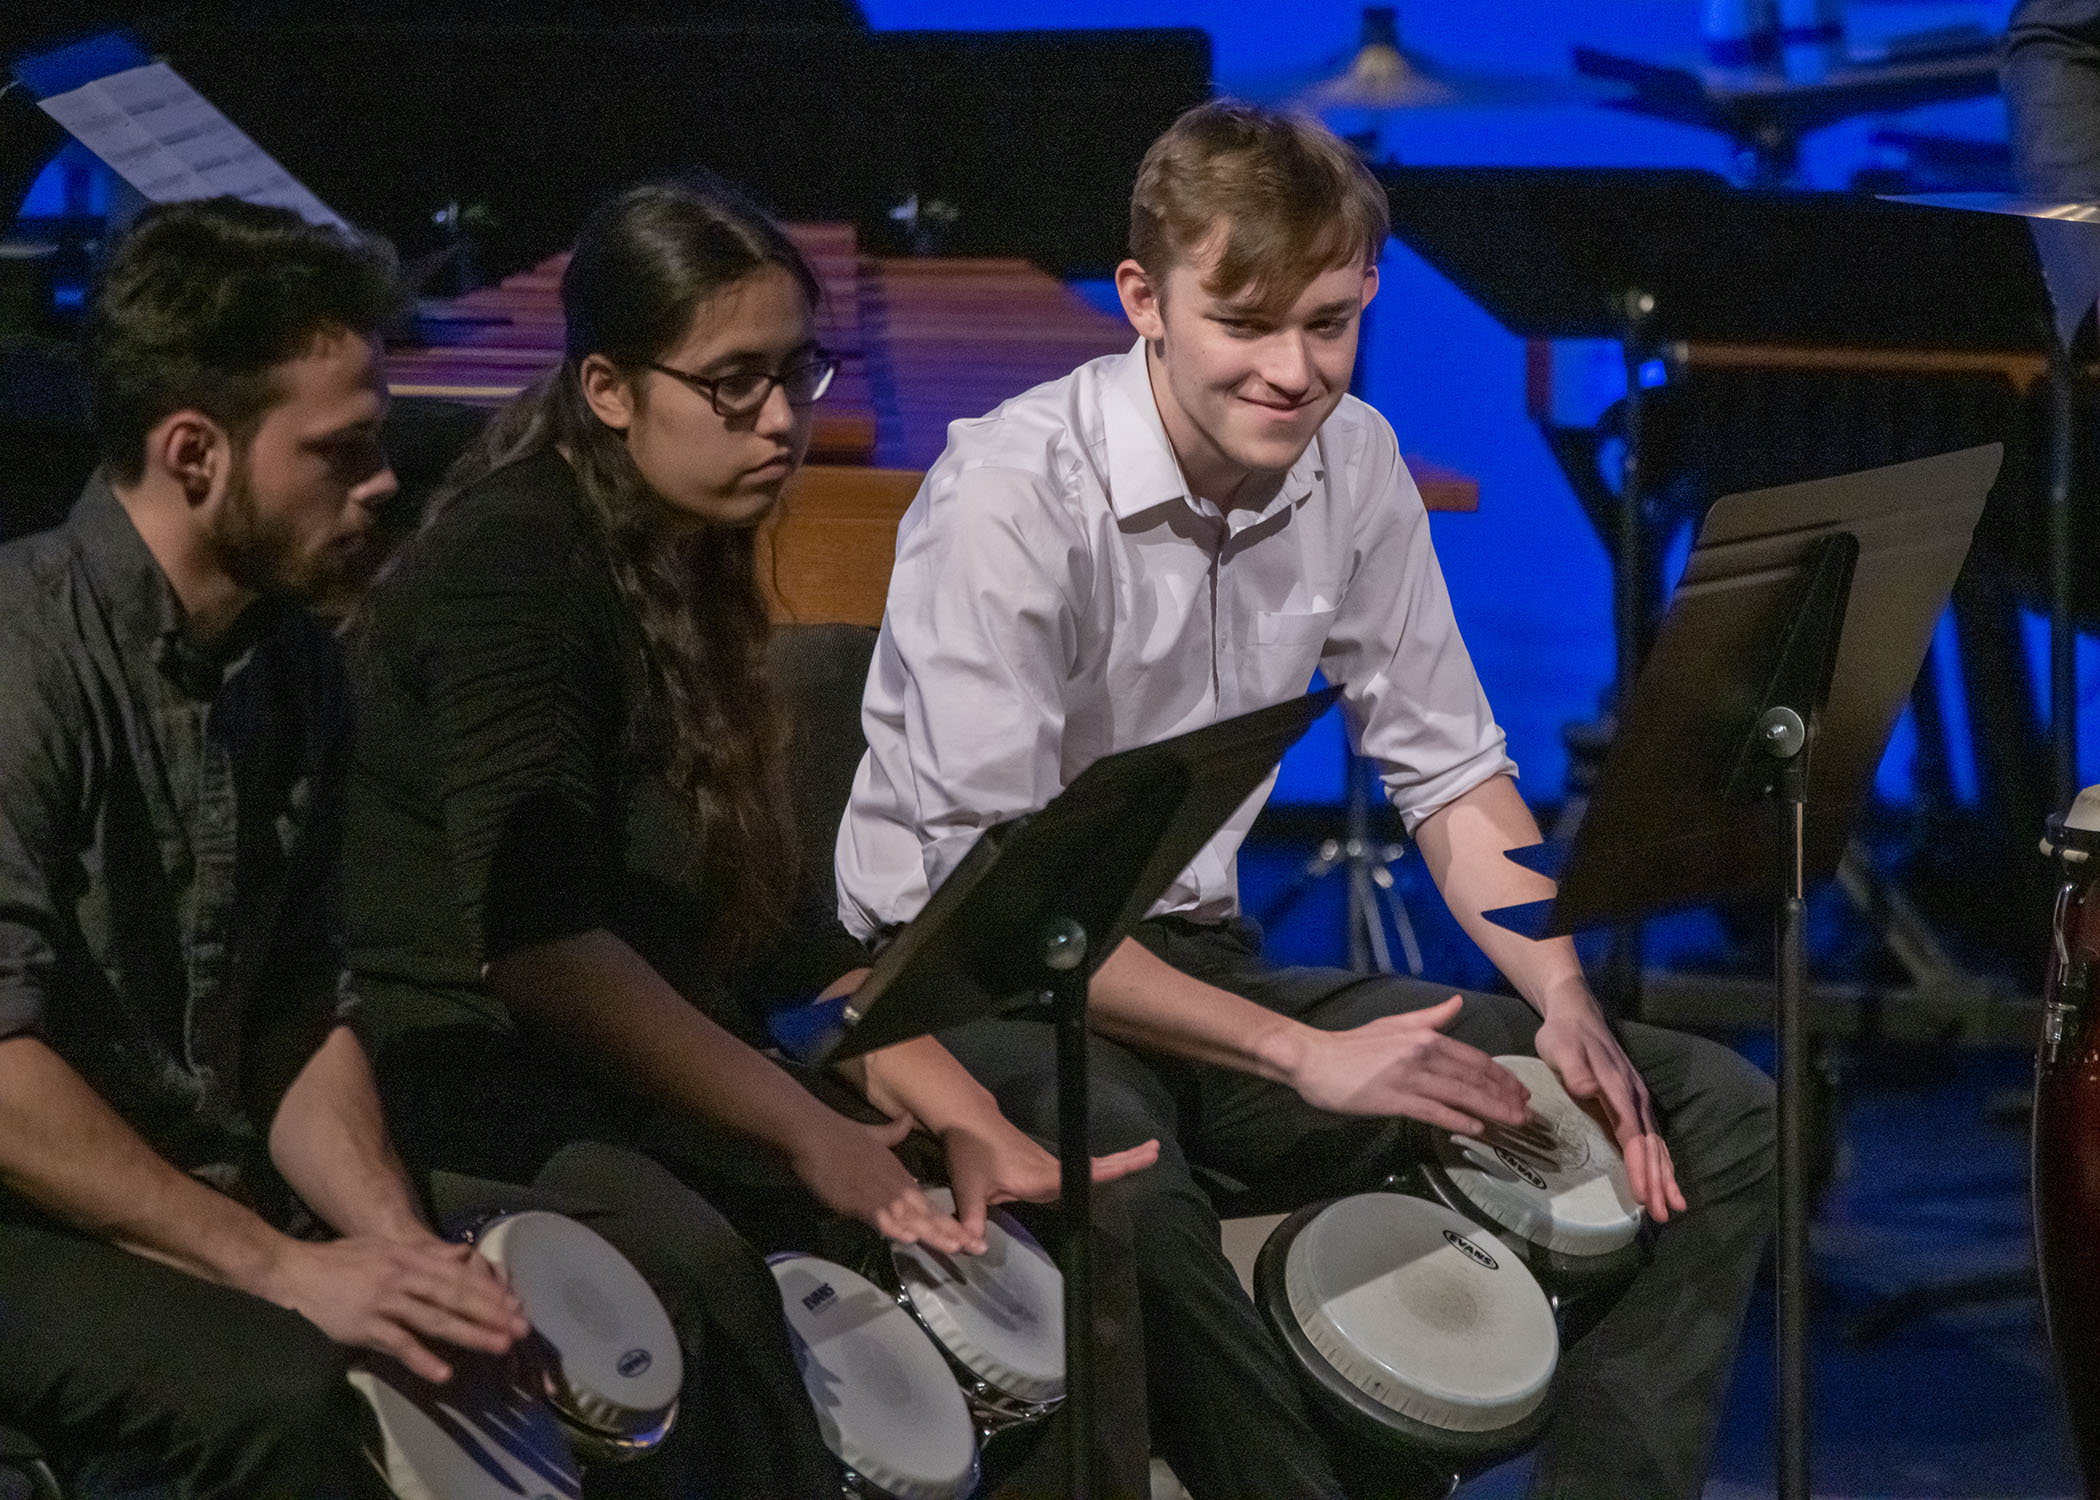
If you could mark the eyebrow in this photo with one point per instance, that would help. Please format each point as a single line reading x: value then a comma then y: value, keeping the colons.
x: 735, y: 357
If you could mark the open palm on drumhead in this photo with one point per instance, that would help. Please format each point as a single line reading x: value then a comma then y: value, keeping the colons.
x: 1578, y: 1046
x: 1405, y: 1065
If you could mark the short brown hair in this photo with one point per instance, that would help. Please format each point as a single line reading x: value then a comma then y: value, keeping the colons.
x: 1294, y: 200
x: 202, y: 301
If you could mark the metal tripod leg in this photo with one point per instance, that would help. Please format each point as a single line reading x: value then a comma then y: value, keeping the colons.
x: 1372, y: 892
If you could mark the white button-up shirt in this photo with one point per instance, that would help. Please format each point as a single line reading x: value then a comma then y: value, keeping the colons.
x: 1059, y: 594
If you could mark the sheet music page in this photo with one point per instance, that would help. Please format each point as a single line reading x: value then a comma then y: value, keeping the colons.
x: 170, y: 142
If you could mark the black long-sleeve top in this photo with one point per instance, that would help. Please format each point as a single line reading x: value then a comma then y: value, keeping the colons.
x: 498, y: 797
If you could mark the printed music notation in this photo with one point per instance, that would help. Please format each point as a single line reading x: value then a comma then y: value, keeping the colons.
x: 172, y: 144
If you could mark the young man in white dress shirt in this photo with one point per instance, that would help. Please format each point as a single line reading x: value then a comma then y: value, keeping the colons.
x: 1182, y: 533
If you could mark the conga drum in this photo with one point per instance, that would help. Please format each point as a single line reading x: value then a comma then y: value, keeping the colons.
x: 999, y: 1317
x: 2067, y: 1126
x: 1418, y: 1335
x: 1555, y: 1188
x: 887, y: 1405
x: 609, y: 1361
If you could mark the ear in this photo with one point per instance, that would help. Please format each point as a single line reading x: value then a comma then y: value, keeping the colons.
x: 193, y: 450
x: 608, y: 392
x: 1370, y: 282
x: 1140, y: 298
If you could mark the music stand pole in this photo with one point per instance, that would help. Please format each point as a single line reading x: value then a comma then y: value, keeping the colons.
x: 1064, y: 961
x: 1784, y: 740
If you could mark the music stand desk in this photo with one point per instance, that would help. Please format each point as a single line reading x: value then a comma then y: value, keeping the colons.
x: 1748, y: 745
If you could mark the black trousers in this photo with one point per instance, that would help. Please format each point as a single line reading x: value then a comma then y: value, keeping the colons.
x: 1638, y: 1395
x: 225, y: 1395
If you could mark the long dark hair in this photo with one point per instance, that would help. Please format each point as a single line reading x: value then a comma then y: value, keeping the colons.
x: 713, y: 724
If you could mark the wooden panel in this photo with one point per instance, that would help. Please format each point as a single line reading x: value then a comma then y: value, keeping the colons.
x: 828, y: 551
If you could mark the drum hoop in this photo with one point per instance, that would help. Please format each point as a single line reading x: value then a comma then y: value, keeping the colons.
x: 1362, y: 1414
x: 604, y: 1443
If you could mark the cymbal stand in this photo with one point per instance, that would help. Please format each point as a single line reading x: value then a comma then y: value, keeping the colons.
x: 1372, y: 892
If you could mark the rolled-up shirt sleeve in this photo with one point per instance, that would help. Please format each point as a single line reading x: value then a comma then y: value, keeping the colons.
x: 1412, y: 699
x: 39, y: 786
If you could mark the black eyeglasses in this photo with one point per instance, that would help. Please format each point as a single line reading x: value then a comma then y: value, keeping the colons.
x: 744, y: 393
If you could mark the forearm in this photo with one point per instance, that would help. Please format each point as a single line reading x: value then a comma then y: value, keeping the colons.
x: 597, y: 994
x: 329, y: 1139
x: 1463, y: 844
x: 64, y: 1149
x: 921, y: 1078
x: 1139, y: 999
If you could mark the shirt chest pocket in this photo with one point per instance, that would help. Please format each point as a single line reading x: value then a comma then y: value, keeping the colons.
x: 1286, y: 650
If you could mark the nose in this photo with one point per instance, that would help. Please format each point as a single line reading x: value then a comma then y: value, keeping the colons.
x: 776, y: 418
x: 381, y: 487
x: 1286, y: 363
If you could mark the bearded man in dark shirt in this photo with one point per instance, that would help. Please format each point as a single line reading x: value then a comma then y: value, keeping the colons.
x: 179, y: 1110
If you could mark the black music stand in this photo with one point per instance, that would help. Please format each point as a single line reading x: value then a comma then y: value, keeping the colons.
x: 1748, y: 745
x: 1034, y: 908
x: 1670, y: 261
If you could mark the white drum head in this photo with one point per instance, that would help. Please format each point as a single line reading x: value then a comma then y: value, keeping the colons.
x: 471, y: 1439
x: 885, y: 1401
x: 620, y: 1362
x: 1000, y: 1314
x: 1423, y: 1311
x: 1559, y: 1182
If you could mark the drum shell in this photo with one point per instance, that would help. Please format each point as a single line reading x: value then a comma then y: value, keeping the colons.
x: 1412, y: 1458
x: 2066, y: 1156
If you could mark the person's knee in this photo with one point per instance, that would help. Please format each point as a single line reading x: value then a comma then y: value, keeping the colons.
x: 1722, y: 1126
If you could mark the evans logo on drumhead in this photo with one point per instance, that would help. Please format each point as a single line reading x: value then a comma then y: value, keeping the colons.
x: 1516, y: 1164
x: 1472, y: 1249
x: 821, y: 1298
x: 634, y: 1361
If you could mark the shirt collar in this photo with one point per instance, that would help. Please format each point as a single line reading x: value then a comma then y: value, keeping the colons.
x: 1142, y: 469
x: 149, y: 619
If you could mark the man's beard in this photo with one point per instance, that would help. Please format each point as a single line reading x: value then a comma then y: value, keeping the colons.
x: 265, y: 554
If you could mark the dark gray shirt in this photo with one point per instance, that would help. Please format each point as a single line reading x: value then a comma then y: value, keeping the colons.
x: 168, y: 827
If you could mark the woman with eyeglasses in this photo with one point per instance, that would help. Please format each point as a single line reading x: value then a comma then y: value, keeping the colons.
x: 568, y: 829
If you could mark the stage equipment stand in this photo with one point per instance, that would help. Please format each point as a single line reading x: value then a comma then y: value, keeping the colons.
x: 1747, y: 746
x: 2067, y: 244
x: 1684, y: 273
x: 1766, y: 117
x: 1035, y: 907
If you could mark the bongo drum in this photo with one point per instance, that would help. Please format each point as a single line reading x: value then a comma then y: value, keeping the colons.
x: 476, y: 1437
x: 1413, y: 1329
x: 2066, y: 1141
x: 999, y: 1317
x: 887, y: 1405
x: 1556, y: 1188
x: 612, y: 1368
